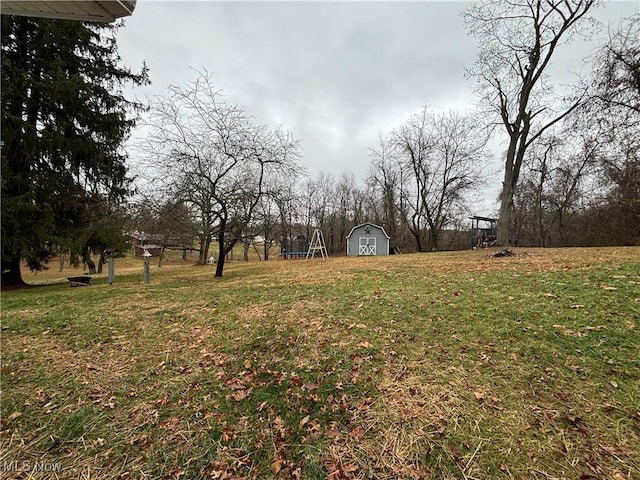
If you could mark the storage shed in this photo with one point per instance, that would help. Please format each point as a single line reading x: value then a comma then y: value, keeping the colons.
x: 368, y: 239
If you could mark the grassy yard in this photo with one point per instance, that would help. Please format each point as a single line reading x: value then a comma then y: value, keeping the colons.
x: 422, y: 366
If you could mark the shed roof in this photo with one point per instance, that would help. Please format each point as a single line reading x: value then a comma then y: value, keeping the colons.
x: 370, y: 224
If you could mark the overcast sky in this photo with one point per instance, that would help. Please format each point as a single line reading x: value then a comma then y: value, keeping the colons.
x: 335, y: 74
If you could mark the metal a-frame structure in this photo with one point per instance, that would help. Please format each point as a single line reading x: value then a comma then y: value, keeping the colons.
x: 317, y: 245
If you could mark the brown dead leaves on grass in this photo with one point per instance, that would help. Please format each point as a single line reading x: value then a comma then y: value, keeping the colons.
x: 109, y: 362
x: 411, y: 414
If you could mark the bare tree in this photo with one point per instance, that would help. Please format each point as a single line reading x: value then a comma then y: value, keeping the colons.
x: 554, y: 189
x: 288, y: 202
x: 415, y: 146
x: 388, y: 182
x: 616, y: 83
x: 266, y: 222
x: 614, y: 113
x: 211, y: 156
x: 620, y: 177
x: 518, y: 40
x: 318, y: 203
x: 445, y: 155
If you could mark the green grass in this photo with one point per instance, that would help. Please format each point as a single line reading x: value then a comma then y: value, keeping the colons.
x: 442, y: 366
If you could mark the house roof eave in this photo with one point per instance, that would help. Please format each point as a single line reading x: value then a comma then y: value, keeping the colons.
x: 102, y: 11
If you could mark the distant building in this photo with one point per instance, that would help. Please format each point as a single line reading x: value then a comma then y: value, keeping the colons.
x: 483, y: 231
x: 367, y: 239
x: 154, y: 250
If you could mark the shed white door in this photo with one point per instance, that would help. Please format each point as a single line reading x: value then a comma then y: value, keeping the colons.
x: 367, y: 246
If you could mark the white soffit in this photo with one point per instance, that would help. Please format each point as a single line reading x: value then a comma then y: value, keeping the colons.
x: 83, y: 10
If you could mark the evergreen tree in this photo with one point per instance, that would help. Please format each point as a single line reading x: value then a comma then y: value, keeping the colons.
x: 64, y: 121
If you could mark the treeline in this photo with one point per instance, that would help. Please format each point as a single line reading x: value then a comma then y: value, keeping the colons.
x: 211, y: 176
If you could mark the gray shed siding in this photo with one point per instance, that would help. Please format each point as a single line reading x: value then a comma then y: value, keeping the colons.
x: 367, y: 239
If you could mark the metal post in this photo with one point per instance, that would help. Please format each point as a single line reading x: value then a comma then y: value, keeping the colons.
x: 111, y: 263
x: 146, y: 271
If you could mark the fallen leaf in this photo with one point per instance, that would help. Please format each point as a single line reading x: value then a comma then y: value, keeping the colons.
x: 310, y: 386
x: 276, y: 466
x: 478, y: 395
x: 617, y: 450
x: 13, y: 416
x: 365, y: 344
x: 240, y: 395
x: 573, y: 419
x: 176, y: 472
x: 304, y: 421
x: 351, y: 468
x: 614, y: 384
x: 170, y: 423
x: 576, y: 306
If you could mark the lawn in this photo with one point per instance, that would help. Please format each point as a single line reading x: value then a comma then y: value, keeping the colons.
x: 420, y: 366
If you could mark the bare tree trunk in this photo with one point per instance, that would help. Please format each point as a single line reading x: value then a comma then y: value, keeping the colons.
x: 417, y: 235
x: 505, y: 216
x: 433, y: 239
x: 101, y: 262
x: 11, y: 275
x: 221, y: 251
x: 246, y: 245
x: 86, y: 258
x: 205, y: 243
